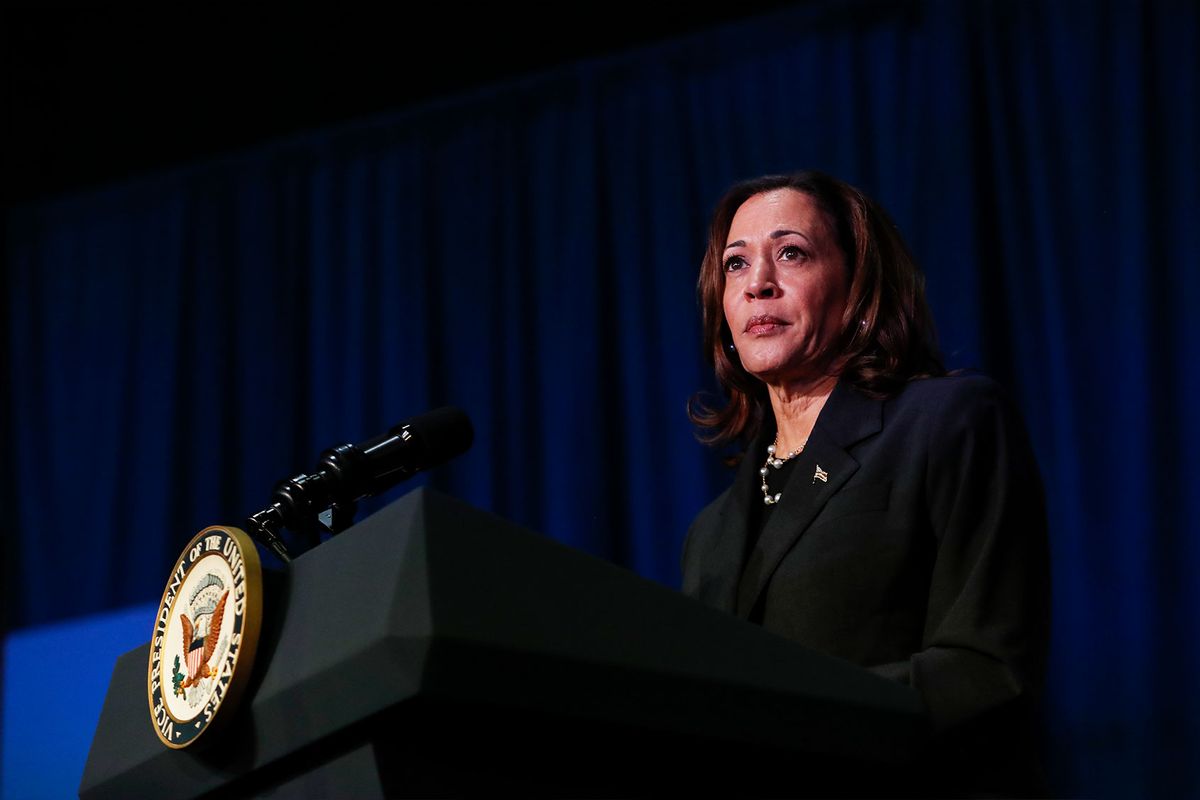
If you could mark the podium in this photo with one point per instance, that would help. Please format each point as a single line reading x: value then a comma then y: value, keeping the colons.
x: 436, y: 650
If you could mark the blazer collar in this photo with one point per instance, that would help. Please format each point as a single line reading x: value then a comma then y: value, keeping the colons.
x: 823, y: 467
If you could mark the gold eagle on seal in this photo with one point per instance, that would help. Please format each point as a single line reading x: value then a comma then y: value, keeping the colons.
x: 198, y: 646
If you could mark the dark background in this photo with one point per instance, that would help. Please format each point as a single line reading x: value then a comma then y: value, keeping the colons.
x: 95, y: 92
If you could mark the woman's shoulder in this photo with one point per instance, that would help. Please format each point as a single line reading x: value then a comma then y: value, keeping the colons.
x: 957, y: 390
x: 954, y: 404
x: 711, y: 513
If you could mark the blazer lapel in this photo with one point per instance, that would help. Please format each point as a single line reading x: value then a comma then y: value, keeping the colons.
x: 822, y: 469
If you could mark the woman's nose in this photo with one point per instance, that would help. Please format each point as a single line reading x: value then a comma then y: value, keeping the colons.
x: 762, y: 281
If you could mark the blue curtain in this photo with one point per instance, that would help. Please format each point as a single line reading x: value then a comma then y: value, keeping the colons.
x: 177, y: 344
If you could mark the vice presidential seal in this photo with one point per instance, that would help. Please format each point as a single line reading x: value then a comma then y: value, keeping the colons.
x: 205, y: 635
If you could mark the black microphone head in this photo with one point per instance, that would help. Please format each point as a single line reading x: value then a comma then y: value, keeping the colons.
x: 442, y: 433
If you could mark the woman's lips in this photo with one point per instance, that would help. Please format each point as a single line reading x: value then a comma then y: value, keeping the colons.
x: 764, y: 323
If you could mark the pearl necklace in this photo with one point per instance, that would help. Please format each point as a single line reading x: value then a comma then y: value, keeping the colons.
x: 768, y: 498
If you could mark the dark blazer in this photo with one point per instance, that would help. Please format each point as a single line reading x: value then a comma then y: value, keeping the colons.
x: 922, y: 556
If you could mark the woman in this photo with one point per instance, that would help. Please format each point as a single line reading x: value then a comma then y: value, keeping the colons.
x: 884, y: 512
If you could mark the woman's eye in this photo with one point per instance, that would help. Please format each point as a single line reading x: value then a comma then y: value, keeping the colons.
x: 791, y: 253
x: 734, y: 263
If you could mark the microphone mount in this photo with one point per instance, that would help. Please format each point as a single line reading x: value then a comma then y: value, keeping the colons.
x: 328, y: 498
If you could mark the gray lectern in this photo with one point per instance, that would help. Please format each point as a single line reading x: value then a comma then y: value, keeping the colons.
x: 437, y: 650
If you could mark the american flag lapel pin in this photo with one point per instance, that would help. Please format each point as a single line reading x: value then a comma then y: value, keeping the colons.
x: 820, y: 475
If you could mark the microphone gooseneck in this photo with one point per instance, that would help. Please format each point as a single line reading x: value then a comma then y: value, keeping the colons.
x: 347, y: 473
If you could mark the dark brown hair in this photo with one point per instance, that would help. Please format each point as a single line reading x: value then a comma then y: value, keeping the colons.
x: 896, y: 344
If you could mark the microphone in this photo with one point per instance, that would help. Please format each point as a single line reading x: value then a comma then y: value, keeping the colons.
x: 347, y: 473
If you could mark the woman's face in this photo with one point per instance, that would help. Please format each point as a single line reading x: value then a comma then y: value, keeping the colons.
x: 785, y: 286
